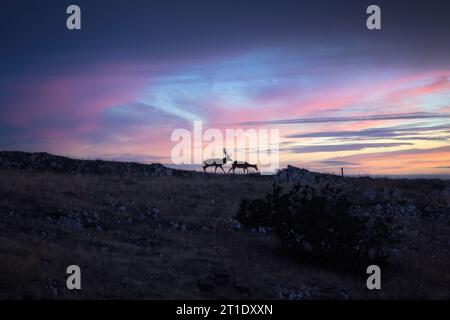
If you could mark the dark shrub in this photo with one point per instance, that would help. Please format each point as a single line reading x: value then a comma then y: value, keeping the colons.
x: 320, y: 226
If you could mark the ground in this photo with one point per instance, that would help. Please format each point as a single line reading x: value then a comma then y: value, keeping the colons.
x: 165, y: 237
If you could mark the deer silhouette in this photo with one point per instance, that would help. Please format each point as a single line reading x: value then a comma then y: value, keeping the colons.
x: 242, y: 165
x: 217, y: 162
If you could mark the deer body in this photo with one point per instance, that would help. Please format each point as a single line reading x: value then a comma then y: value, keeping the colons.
x: 216, y: 162
x: 242, y: 165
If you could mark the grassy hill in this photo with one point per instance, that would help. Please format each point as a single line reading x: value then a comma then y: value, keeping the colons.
x: 148, y: 232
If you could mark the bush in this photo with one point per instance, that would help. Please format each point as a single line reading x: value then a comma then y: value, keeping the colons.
x: 320, y: 225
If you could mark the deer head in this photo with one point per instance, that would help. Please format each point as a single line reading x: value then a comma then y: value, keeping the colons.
x: 227, y: 157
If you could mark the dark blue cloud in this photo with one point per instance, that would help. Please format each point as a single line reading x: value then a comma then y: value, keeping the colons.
x: 342, y: 147
x: 394, y: 132
x: 338, y: 163
x: 379, y: 117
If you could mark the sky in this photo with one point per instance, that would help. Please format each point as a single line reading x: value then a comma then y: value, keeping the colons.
x: 371, y: 101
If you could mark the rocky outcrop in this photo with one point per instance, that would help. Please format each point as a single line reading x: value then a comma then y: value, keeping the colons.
x: 381, y: 196
x: 294, y: 174
x: 46, y: 162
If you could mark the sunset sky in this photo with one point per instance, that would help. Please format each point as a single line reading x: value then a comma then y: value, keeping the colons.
x: 374, y: 102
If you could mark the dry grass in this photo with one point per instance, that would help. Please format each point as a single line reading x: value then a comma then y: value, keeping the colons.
x: 162, y: 256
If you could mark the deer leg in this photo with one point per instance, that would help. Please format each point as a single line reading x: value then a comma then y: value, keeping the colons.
x: 222, y: 169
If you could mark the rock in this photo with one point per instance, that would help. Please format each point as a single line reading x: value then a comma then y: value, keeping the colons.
x: 263, y: 230
x: 295, y: 295
x: 46, y: 162
x: 144, y: 242
x: 71, y: 222
x: 236, y: 226
x: 344, y: 294
x: 294, y: 174
x: 52, y: 286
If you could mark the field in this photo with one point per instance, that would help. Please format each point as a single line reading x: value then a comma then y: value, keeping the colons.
x: 168, y: 237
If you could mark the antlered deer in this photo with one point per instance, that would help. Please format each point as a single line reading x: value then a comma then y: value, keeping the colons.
x: 217, y: 162
x: 242, y: 165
